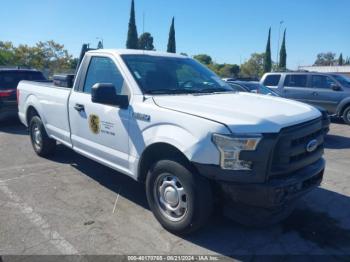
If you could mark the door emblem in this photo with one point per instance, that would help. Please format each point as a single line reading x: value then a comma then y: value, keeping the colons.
x: 94, y: 124
x: 311, y: 146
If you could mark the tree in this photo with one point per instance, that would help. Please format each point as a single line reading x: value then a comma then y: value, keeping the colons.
x: 203, y: 58
x: 254, y: 67
x: 132, y: 40
x: 99, y: 45
x: 283, y: 54
x: 146, y: 42
x: 325, y: 59
x: 172, y: 41
x: 223, y: 70
x: 267, y: 59
x: 229, y: 70
x: 347, y: 61
x: 6, y: 53
x: 340, y: 60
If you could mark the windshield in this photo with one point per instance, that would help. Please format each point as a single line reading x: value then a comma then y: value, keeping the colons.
x: 169, y: 75
x: 260, y: 89
x: 343, y: 80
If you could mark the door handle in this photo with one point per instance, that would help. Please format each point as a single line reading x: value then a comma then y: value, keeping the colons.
x: 79, y: 107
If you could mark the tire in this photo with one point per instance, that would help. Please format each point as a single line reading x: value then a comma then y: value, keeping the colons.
x: 170, y: 183
x: 42, y: 144
x: 346, y: 115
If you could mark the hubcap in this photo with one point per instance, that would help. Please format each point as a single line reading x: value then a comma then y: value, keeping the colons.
x: 36, y: 137
x: 171, y: 197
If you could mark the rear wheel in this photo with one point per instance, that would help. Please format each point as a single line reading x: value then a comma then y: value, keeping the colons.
x: 42, y: 144
x: 179, y: 199
x: 346, y: 115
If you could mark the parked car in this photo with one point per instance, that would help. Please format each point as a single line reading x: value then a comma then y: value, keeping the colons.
x: 169, y: 122
x: 256, y: 87
x: 251, y: 86
x: 329, y: 91
x: 9, y: 79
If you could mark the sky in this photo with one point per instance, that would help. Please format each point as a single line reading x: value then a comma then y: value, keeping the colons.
x: 227, y: 30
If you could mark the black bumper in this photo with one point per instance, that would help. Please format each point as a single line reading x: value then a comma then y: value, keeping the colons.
x: 275, y: 192
x: 8, y: 109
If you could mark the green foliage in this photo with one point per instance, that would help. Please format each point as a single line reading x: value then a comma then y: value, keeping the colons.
x: 325, y: 59
x: 254, y: 67
x: 146, y: 42
x: 48, y: 55
x: 267, y: 59
x: 283, y: 54
x: 7, y: 56
x: 341, y: 60
x: 172, y: 41
x: 132, y: 40
x: 223, y: 70
x: 203, y: 58
x: 347, y: 61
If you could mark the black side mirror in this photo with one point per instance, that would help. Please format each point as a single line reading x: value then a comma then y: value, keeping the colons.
x: 335, y: 87
x: 105, y: 93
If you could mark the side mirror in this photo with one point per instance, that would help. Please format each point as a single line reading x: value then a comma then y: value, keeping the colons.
x: 105, y: 93
x: 335, y: 87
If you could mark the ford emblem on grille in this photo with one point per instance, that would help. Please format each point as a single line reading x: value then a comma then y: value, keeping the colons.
x: 311, y: 146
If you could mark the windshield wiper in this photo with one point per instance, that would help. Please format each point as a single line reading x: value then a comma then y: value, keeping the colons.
x: 170, y: 91
x: 213, y: 90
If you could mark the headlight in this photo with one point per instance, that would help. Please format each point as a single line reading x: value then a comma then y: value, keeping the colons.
x: 230, y: 148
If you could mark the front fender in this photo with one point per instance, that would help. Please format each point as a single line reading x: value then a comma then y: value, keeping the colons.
x: 171, y: 134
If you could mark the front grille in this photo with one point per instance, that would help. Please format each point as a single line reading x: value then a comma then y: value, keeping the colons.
x: 290, y: 153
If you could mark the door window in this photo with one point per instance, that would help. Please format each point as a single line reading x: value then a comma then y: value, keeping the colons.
x: 104, y: 70
x: 320, y: 81
x: 272, y: 80
x: 295, y: 81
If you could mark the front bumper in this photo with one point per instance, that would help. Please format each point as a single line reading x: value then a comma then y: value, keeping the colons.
x: 275, y: 192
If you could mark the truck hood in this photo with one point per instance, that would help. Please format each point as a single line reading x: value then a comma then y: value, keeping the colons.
x: 242, y: 112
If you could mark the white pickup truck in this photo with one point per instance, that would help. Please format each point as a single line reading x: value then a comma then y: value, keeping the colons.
x: 167, y: 121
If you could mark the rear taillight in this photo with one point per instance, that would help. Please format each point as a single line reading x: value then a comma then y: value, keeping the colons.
x: 6, y: 92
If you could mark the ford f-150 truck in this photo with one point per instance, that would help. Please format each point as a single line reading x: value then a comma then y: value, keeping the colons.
x: 169, y: 122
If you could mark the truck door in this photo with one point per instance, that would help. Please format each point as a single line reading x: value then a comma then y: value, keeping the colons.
x: 296, y: 87
x: 99, y: 131
x: 323, y: 93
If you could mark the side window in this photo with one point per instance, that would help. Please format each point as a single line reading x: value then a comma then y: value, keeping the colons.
x: 103, y: 70
x: 320, y: 81
x: 272, y: 80
x: 295, y: 81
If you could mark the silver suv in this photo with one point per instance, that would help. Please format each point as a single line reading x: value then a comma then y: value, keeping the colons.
x: 330, y: 91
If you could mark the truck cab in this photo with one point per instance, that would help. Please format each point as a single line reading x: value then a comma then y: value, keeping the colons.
x: 167, y: 121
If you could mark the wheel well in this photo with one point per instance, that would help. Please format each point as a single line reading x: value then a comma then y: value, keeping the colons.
x: 156, y: 152
x: 31, y: 111
x: 343, y: 108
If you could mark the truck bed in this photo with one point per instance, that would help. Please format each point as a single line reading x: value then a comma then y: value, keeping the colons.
x: 52, y: 100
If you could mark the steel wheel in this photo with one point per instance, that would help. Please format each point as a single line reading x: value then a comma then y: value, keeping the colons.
x: 36, y: 136
x: 171, y: 197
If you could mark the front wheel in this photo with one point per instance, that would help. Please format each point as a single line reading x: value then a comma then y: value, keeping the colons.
x: 346, y: 115
x: 179, y: 199
x: 42, y: 144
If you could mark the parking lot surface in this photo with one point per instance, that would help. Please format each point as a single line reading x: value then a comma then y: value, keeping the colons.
x: 69, y: 204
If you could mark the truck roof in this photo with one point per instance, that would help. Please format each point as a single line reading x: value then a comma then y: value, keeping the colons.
x: 135, y: 52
